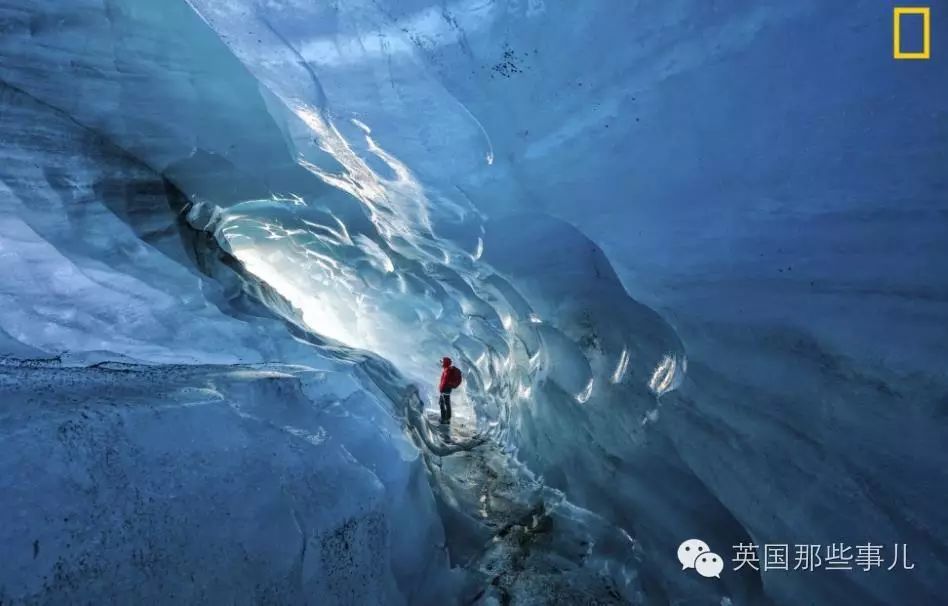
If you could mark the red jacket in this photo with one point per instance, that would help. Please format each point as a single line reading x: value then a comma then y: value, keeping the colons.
x: 446, y: 366
x: 444, y: 379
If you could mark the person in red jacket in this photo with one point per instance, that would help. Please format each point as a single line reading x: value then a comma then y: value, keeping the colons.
x: 450, y: 379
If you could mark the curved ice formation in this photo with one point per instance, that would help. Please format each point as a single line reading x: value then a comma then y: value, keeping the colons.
x: 343, y: 240
x: 238, y: 236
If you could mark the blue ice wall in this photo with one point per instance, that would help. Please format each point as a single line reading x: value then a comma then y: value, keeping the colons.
x: 766, y: 175
x: 763, y: 157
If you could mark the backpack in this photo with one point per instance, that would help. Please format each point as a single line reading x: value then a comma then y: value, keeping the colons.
x: 454, y: 377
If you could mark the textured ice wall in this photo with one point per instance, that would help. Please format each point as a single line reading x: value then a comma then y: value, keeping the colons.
x: 244, y: 140
x: 93, y: 260
x: 209, y: 484
x: 233, y: 482
x: 770, y: 179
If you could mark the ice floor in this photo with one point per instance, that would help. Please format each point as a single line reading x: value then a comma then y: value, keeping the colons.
x: 208, y: 484
x: 252, y: 484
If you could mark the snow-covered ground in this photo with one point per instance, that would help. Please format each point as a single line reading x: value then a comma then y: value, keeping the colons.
x: 228, y: 204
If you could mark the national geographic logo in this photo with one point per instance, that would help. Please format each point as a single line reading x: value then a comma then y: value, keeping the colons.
x: 912, y: 32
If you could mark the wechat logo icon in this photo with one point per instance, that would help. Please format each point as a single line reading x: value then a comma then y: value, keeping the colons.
x: 695, y: 553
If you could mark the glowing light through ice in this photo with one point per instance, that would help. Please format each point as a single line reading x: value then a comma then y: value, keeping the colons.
x: 319, y: 314
x: 584, y: 395
x: 665, y: 377
x: 535, y: 359
x: 622, y: 366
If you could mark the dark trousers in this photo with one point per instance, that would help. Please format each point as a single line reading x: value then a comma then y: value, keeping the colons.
x: 444, y: 401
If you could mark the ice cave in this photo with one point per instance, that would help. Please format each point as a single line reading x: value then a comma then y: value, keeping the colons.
x: 691, y: 257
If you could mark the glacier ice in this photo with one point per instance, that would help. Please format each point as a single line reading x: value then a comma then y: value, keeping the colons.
x: 237, y: 237
x: 207, y: 484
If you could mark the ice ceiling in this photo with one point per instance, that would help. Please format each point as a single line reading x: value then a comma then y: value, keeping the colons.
x: 403, y: 273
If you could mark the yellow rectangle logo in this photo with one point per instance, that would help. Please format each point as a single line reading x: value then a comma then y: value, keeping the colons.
x: 926, y: 13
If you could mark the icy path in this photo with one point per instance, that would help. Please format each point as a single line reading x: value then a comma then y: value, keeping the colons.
x: 524, y: 541
x: 270, y: 480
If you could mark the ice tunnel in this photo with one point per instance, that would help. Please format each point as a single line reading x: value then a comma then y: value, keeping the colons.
x: 689, y: 256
